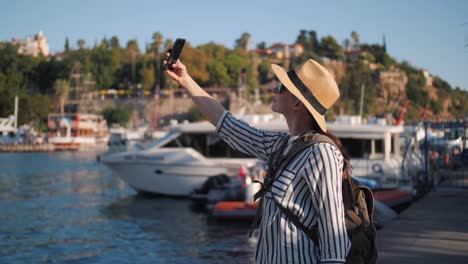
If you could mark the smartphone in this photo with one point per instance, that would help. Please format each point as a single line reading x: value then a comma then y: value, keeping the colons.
x: 175, y: 52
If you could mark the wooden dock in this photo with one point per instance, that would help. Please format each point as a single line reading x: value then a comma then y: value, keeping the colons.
x: 27, y: 148
x: 432, y: 230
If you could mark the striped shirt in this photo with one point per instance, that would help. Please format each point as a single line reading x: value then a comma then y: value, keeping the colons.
x: 310, y: 187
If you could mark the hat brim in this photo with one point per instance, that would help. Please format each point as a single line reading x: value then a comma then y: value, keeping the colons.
x: 284, y: 79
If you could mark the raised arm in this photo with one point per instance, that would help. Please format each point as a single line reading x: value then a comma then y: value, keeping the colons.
x: 207, y: 105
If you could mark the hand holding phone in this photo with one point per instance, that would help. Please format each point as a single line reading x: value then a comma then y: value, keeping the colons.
x: 175, y: 53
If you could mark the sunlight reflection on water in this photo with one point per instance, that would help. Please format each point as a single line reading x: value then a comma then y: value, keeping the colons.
x: 66, y: 207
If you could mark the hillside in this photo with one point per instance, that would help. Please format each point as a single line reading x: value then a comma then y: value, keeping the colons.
x: 363, y: 69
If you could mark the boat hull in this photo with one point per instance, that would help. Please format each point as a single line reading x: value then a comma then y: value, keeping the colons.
x: 170, y: 180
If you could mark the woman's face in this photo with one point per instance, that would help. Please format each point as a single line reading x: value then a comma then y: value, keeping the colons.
x: 283, y: 100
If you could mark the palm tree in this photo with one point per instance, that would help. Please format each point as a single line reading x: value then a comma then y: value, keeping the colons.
x: 81, y: 43
x: 62, y: 89
x: 132, y: 47
x: 347, y: 44
x: 355, y: 37
x: 155, y: 47
x: 157, y: 42
x: 243, y: 41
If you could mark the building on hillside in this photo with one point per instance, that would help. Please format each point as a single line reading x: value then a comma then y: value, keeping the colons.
x: 34, y: 46
x: 281, y: 51
x: 428, y: 78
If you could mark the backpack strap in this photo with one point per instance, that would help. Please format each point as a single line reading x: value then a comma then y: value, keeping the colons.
x: 278, y: 163
x: 311, y: 232
x: 259, y: 195
x: 281, y: 162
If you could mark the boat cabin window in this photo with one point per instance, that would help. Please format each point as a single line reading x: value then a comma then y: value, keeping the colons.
x: 364, y: 148
x: 210, y: 146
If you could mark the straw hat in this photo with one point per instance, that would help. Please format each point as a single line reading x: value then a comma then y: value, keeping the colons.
x: 313, y: 85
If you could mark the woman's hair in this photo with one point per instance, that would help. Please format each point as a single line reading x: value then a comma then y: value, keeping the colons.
x: 337, y: 141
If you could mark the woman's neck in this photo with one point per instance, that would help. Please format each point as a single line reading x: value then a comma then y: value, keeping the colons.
x: 299, y: 124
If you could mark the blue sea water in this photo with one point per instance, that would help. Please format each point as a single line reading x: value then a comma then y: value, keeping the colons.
x: 64, y: 207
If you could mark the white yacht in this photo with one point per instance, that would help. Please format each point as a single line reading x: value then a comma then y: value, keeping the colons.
x: 183, y: 159
x: 190, y: 153
x: 77, y: 131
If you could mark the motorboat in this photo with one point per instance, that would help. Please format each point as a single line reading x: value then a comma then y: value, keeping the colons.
x: 184, y: 159
x: 128, y: 139
x: 192, y: 152
x: 375, y: 150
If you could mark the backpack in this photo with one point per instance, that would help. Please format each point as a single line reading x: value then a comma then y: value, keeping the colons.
x: 358, y: 204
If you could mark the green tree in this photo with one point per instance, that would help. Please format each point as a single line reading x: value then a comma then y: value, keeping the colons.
x: 234, y: 64
x: 314, y: 41
x: 355, y: 38
x: 415, y: 91
x: 147, y: 74
x: 347, y: 43
x: 195, y: 115
x: 264, y: 71
x: 416, y: 86
x: 359, y: 78
x: 114, y: 43
x: 459, y: 106
x: 46, y: 72
x: 196, y: 59
x: 296, y: 61
x: 104, y: 44
x: 81, y: 44
x: 133, y: 51
x: 379, y: 53
x: 219, y: 75
x: 116, y: 115
x: 436, y: 106
x: 67, y: 45
x: 303, y: 40
x: 308, y: 40
x: 261, y: 45
x: 102, y: 67
x: 156, y: 45
x: 442, y: 86
x: 34, y: 109
x: 243, y: 42
x: 158, y: 40
x: 330, y: 48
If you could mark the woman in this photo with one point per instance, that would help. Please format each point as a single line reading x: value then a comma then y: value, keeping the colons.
x: 310, y: 186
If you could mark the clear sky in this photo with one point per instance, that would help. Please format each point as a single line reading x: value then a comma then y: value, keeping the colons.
x: 429, y: 34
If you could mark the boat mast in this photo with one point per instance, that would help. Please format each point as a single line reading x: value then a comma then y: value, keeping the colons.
x: 362, y: 101
x: 16, y: 112
x: 80, y: 87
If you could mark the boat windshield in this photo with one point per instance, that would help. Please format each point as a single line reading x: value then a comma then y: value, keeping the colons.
x: 209, y: 145
x: 164, y: 140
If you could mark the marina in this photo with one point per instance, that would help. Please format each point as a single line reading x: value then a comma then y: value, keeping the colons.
x: 192, y: 152
x: 109, y: 150
x: 66, y: 207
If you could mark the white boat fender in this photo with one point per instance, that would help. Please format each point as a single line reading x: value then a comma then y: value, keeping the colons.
x: 377, y: 168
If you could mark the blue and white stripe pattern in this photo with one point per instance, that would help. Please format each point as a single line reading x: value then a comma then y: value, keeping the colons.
x: 310, y: 187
